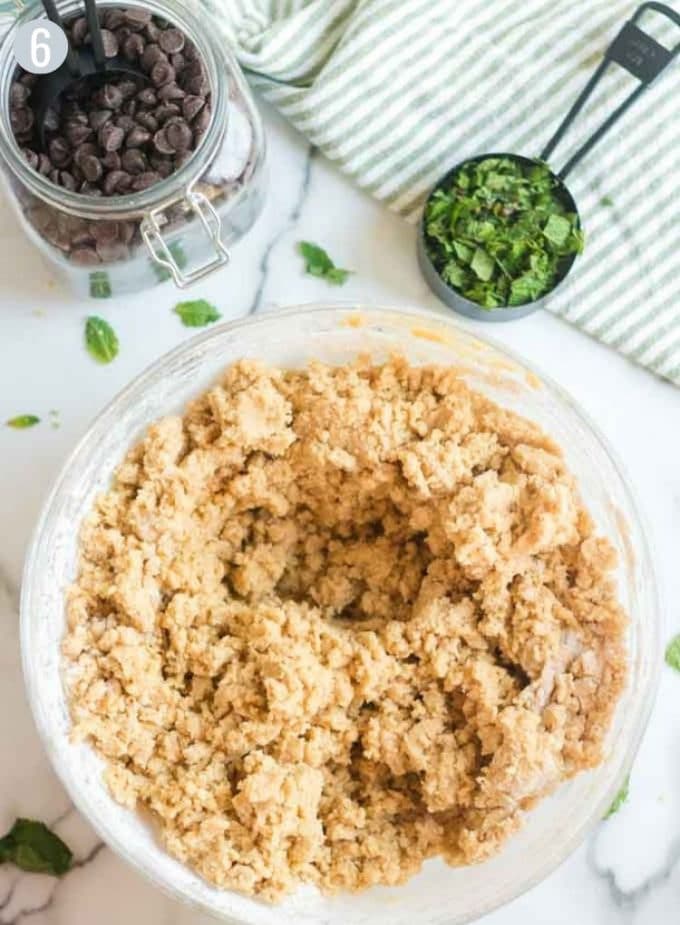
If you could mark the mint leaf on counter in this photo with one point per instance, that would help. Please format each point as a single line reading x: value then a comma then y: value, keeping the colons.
x: 32, y: 847
x: 619, y: 799
x: 318, y: 263
x: 100, y: 339
x: 22, y: 421
x: 673, y: 653
x: 196, y: 314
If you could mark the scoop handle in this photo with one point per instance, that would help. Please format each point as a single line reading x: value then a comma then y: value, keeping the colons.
x: 54, y: 16
x: 637, y: 52
x: 95, y: 34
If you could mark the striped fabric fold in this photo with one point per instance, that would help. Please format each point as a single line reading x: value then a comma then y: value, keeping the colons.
x: 398, y: 91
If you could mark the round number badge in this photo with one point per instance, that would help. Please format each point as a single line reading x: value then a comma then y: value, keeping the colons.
x: 40, y: 46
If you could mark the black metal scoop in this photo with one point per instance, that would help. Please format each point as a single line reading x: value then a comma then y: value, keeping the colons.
x: 86, y: 63
x: 644, y: 58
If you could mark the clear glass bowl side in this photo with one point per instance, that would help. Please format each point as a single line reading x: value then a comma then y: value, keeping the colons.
x: 336, y: 334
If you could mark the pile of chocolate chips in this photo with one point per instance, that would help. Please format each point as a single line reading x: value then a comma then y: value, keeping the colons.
x: 125, y: 135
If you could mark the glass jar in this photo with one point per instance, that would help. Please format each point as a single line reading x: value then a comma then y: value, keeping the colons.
x: 179, y: 228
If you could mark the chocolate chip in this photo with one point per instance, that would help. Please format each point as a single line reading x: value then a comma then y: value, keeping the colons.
x: 178, y: 135
x: 145, y: 180
x: 171, y: 92
x: 77, y: 133
x: 152, y: 31
x: 91, y: 168
x: 166, y: 111
x: 133, y: 161
x: 182, y: 157
x: 125, y: 122
x: 166, y: 168
x: 202, y: 120
x: 112, y: 251
x: 110, y: 97
x: 105, y: 232
x: 31, y: 157
x: 177, y: 61
x: 111, y: 137
x: 67, y: 180
x: 113, y: 19
x: 171, y: 41
x: 122, y: 34
x: 18, y: 94
x: 137, y: 18
x: 198, y: 85
x: 133, y: 46
x: 126, y: 231
x: 111, y: 160
x: 116, y: 181
x: 110, y: 43
x: 151, y: 56
x: 137, y: 137
x: 162, y: 73
x: 147, y: 120
x: 78, y: 30
x: 128, y: 88
x: 161, y: 142
x: 44, y: 164
x: 191, y: 106
x: 59, y: 151
x: 99, y: 117
x: 147, y: 97
x: 21, y: 119
x: 86, y: 256
x: 86, y: 150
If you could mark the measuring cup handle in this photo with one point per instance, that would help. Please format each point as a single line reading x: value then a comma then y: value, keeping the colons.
x: 637, y: 52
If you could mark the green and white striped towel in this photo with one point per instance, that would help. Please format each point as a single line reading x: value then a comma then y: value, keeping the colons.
x: 397, y: 91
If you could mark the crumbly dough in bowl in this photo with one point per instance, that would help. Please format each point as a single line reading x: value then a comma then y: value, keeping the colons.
x: 331, y: 622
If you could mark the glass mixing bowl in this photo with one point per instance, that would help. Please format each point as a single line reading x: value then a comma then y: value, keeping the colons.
x: 335, y: 334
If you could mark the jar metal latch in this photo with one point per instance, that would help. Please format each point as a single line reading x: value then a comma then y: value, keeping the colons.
x: 161, y: 254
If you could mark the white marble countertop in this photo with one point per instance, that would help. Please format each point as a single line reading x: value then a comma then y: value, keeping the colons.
x: 629, y: 870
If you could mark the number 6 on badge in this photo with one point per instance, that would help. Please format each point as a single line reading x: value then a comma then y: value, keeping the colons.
x: 40, y: 46
x: 40, y: 50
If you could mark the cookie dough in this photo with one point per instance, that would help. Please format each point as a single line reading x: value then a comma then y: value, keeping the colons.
x: 332, y: 622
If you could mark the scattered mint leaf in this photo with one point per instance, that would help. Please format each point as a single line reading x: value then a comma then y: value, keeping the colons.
x: 619, y: 799
x: 100, y: 285
x: 499, y: 233
x: 196, y: 314
x: 100, y: 339
x: 22, y: 421
x: 318, y: 263
x: 673, y: 653
x: 606, y: 201
x: 32, y: 847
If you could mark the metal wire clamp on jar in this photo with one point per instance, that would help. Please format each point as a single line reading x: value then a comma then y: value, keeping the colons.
x: 179, y: 228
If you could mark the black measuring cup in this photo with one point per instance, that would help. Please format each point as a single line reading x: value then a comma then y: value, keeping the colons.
x: 644, y: 58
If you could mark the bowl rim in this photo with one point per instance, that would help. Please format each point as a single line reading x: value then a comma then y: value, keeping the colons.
x: 373, y: 312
